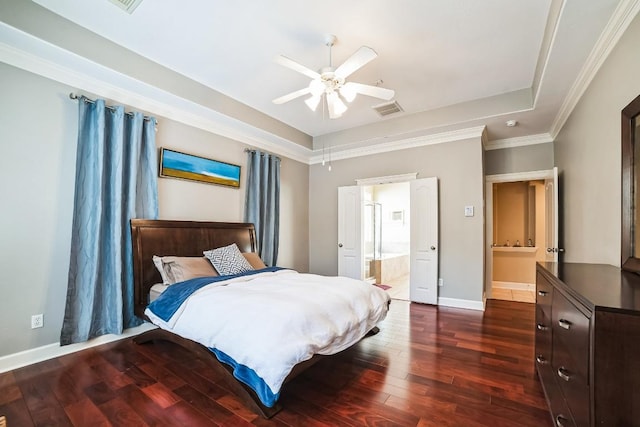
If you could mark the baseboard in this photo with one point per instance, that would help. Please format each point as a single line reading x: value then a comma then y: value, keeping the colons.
x: 46, y: 352
x: 520, y: 286
x: 461, y: 303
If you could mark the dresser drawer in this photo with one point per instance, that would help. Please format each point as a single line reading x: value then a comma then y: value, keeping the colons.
x: 571, y: 331
x: 572, y: 383
x: 544, y: 294
x: 543, y: 338
x: 570, y: 356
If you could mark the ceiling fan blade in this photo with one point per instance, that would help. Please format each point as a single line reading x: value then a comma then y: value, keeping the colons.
x: 290, y: 63
x: 292, y: 95
x: 375, y: 91
x: 361, y: 57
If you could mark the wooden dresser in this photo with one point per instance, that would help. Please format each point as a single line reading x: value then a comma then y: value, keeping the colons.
x: 587, y: 350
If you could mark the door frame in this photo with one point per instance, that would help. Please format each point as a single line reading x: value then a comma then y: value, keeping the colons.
x: 488, y: 203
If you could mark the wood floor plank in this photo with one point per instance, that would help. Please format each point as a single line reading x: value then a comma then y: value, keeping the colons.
x: 86, y: 414
x: 119, y: 413
x: 17, y: 413
x: 9, y: 390
x: 428, y: 366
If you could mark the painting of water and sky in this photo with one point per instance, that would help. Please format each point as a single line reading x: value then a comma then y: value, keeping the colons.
x: 175, y: 164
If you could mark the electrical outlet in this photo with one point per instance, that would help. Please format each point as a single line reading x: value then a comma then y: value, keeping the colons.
x: 37, y: 321
x: 440, y: 282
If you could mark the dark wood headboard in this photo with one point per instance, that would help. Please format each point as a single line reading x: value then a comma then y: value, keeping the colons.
x: 178, y: 238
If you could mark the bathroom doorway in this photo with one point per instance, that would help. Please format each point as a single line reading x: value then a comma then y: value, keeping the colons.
x: 407, y: 234
x: 387, y: 237
x: 521, y: 231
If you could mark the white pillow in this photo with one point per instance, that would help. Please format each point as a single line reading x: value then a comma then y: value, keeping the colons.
x: 157, y: 261
x: 228, y: 260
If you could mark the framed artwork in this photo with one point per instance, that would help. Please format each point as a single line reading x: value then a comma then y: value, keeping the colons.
x: 174, y: 164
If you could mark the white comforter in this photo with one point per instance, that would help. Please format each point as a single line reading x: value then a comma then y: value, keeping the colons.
x: 272, y: 321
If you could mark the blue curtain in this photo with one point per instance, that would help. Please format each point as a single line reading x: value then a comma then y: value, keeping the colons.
x: 116, y: 180
x: 262, y: 202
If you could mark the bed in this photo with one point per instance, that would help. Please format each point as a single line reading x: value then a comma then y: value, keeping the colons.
x: 180, y: 323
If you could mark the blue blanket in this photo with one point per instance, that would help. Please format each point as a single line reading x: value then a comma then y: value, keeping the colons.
x: 172, y: 298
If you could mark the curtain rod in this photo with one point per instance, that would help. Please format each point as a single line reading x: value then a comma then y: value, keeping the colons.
x: 93, y: 101
x: 253, y: 150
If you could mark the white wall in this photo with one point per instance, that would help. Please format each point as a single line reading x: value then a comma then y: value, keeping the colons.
x: 38, y: 125
x: 458, y: 166
x: 395, y: 233
x: 588, y: 156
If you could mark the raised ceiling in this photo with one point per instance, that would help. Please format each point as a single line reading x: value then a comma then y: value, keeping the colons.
x: 453, y: 64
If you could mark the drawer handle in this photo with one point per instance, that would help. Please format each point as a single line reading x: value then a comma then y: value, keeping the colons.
x: 565, y: 324
x: 564, y: 374
x: 541, y: 360
x: 542, y: 327
x: 561, y: 421
x: 542, y: 293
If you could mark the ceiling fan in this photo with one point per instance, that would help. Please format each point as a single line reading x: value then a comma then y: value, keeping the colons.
x: 330, y: 82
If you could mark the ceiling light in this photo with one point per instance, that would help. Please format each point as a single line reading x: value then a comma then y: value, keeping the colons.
x: 335, y: 105
x: 511, y: 123
x: 329, y: 82
x: 313, y: 101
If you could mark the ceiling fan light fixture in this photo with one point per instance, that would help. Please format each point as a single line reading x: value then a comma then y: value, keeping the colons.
x: 313, y: 101
x: 348, y: 92
x: 317, y: 87
x: 335, y: 105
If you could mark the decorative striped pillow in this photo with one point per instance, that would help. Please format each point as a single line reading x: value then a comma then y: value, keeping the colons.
x: 228, y: 260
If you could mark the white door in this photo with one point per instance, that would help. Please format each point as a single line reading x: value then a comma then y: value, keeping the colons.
x: 350, y: 209
x: 551, y: 213
x: 424, y: 241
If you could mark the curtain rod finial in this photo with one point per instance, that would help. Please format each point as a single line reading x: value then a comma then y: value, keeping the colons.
x: 73, y: 95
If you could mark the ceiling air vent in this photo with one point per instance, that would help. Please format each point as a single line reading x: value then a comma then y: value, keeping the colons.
x: 127, y: 5
x: 387, y: 108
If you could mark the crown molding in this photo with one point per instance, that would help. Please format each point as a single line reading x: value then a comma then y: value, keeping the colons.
x: 401, y: 144
x: 520, y: 141
x: 47, y: 60
x: 617, y: 25
x: 391, y: 179
x: 520, y: 176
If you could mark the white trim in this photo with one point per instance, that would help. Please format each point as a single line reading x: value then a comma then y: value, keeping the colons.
x: 391, y: 179
x: 520, y: 176
x: 617, y: 25
x: 46, y: 352
x: 521, y: 141
x: 461, y: 303
x: 519, y: 286
x: 385, y: 147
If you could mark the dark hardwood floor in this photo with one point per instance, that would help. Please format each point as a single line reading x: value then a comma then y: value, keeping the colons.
x: 428, y: 366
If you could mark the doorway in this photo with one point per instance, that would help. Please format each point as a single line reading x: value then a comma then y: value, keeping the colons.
x: 521, y: 230
x: 404, y: 237
x: 386, y: 237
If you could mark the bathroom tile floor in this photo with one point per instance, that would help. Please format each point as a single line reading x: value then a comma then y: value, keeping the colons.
x: 514, y: 295
x: 399, y: 288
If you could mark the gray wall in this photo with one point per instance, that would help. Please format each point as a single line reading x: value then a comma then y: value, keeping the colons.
x: 458, y: 166
x: 38, y: 124
x: 519, y: 159
x: 588, y: 156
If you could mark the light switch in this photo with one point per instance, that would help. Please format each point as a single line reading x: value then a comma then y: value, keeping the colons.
x: 468, y: 211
